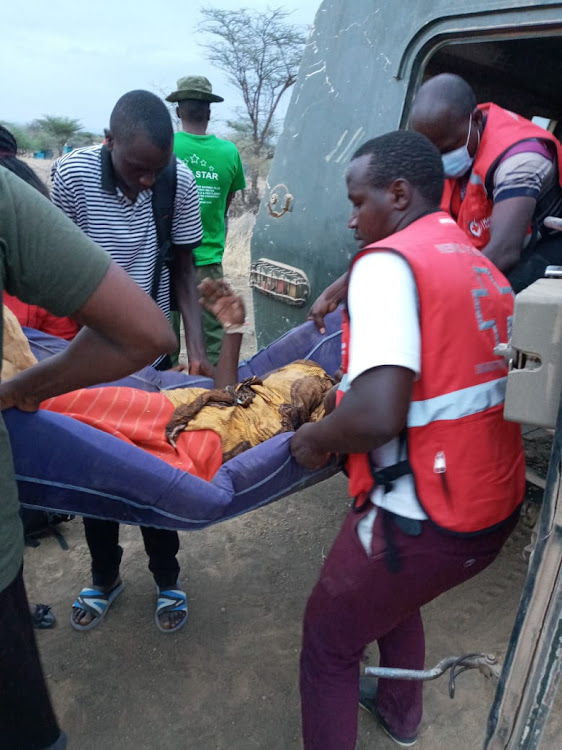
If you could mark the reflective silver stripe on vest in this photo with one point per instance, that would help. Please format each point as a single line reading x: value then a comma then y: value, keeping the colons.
x: 343, y: 385
x: 457, y: 404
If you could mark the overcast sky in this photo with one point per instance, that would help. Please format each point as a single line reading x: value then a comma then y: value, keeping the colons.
x: 76, y: 59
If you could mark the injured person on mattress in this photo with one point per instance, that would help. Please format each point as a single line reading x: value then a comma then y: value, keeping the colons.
x: 192, y: 429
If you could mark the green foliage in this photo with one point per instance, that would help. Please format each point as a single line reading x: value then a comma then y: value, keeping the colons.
x: 256, y: 165
x: 84, y: 138
x: 59, y: 129
x: 41, y: 141
x: 51, y: 134
x: 241, y: 132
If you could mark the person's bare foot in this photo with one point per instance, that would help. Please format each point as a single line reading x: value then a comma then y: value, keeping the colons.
x: 84, y: 617
x: 171, y: 609
x: 170, y: 620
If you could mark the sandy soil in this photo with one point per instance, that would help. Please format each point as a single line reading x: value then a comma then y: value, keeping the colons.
x: 228, y: 680
x: 41, y: 166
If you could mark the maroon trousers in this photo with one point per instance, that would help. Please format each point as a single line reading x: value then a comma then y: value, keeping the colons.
x: 357, y: 600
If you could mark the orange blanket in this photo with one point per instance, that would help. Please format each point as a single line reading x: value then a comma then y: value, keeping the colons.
x: 140, y: 418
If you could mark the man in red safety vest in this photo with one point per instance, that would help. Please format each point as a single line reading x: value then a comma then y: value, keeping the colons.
x: 504, y: 177
x: 436, y: 472
x: 503, y: 173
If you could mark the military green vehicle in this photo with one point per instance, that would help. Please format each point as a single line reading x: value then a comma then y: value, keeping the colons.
x: 361, y: 68
x: 360, y: 72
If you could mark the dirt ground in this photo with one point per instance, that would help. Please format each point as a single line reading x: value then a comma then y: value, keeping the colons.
x: 229, y: 679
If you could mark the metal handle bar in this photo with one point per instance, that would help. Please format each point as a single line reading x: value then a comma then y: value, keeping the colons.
x: 487, y: 664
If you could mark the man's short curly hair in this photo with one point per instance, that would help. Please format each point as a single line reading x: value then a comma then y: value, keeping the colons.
x: 142, y: 112
x: 405, y: 155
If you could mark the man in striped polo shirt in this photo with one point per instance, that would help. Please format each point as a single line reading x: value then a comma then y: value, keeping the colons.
x: 107, y: 191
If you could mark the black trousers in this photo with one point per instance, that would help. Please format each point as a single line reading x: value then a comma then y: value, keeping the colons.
x: 27, y: 720
x: 161, y: 547
x: 533, y: 262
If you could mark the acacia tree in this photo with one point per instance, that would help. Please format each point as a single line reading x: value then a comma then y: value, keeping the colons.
x: 260, y: 53
x: 59, y: 129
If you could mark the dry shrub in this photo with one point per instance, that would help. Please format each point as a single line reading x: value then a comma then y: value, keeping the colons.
x: 236, y: 264
x: 236, y: 260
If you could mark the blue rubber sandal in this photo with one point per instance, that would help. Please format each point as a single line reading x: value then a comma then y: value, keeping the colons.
x: 96, y: 603
x: 171, y: 600
x: 42, y: 616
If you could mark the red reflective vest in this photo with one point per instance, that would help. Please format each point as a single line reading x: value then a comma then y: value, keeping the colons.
x: 40, y: 319
x: 504, y: 129
x: 467, y: 461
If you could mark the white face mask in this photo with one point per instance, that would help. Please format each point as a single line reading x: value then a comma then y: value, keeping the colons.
x: 457, y: 163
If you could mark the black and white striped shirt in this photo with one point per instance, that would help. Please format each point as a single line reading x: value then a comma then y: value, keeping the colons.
x: 84, y: 188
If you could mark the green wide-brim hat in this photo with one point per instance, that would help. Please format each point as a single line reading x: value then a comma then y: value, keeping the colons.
x: 194, y: 87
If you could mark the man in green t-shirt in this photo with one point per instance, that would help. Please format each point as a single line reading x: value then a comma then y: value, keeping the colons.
x: 218, y: 172
x: 46, y: 260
